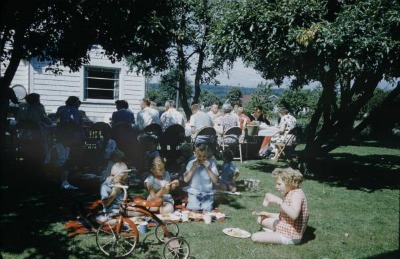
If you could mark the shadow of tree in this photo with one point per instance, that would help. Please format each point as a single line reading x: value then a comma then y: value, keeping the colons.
x: 369, y: 173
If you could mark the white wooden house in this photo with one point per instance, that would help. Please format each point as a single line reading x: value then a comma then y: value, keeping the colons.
x: 97, y: 85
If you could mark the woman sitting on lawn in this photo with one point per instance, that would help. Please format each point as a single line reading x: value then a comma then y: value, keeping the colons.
x: 289, y: 225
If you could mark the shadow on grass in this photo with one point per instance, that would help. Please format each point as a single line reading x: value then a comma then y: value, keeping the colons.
x: 369, y: 173
x: 357, y: 172
x: 32, y: 214
x: 308, y: 235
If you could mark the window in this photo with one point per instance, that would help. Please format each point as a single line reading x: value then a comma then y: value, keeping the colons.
x: 101, y: 83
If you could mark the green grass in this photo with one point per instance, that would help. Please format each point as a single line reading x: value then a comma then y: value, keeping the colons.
x: 353, y: 202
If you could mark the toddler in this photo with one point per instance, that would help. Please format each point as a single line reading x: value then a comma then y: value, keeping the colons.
x: 229, y: 173
x: 159, y: 184
x: 289, y: 225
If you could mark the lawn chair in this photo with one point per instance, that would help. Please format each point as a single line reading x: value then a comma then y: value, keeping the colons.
x: 287, y: 146
x: 206, y: 135
x: 231, y: 139
x: 173, y: 136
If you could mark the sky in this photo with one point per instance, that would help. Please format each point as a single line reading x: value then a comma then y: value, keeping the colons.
x: 239, y: 75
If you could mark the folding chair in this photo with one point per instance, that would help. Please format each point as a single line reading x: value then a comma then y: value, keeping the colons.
x: 206, y: 135
x: 287, y: 146
x: 231, y: 139
x: 173, y: 136
x: 153, y: 130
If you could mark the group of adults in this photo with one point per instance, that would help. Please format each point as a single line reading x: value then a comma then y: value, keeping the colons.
x: 228, y: 117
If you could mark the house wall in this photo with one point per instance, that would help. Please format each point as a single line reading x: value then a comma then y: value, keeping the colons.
x: 55, y: 89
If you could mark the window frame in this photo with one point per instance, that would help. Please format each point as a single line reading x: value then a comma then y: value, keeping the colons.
x: 117, y: 80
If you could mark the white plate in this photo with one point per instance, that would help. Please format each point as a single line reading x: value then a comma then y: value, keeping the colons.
x: 236, y: 232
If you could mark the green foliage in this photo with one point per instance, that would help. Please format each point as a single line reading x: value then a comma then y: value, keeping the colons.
x: 375, y: 101
x: 189, y: 51
x: 262, y: 97
x: 347, y: 46
x: 300, y: 102
x: 234, y: 96
x: 207, y: 98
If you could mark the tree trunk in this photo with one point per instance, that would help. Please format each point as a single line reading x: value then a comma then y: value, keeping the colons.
x: 182, y: 81
x: 5, y: 83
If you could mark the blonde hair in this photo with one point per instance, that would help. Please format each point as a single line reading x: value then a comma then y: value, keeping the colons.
x: 117, y: 168
x: 289, y: 176
x: 157, y: 161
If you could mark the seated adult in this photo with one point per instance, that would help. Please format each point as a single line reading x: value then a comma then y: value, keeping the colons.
x: 214, y: 112
x: 70, y: 111
x: 147, y: 115
x: 34, y: 112
x: 122, y: 114
x: 244, y: 120
x: 258, y: 116
x: 226, y: 121
x: 171, y: 116
x: 199, y: 119
x: 286, y: 124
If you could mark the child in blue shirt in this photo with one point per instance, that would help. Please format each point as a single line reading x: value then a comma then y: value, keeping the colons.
x: 229, y: 173
x: 201, y: 173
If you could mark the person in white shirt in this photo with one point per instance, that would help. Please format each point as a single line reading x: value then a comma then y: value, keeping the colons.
x: 147, y: 115
x: 171, y: 116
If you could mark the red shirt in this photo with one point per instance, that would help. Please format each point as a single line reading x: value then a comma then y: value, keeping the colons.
x: 288, y: 227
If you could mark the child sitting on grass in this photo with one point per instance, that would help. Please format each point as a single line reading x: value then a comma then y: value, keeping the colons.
x: 201, y: 173
x: 159, y: 184
x: 289, y: 225
x: 229, y: 173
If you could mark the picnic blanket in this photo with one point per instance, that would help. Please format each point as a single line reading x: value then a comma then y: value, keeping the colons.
x: 85, y: 219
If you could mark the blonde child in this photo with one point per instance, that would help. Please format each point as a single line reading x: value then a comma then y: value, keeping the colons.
x: 201, y: 173
x: 111, y: 196
x: 289, y: 225
x: 159, y: 184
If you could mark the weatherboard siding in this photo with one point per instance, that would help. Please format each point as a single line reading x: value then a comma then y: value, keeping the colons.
x: 55, y: 89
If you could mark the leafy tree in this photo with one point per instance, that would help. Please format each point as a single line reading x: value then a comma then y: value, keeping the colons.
x: 190, y: 50
x: 207, y: 98
x: 262, y: 97
x: 168, y: 87
x: 295, y: 100
x: 62, y: 32
x: 234, y: 96
x: 347, y: 46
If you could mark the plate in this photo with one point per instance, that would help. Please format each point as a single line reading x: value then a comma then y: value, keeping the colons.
x: 236, y: 232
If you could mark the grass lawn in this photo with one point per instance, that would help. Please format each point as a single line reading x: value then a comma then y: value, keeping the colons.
x: 354, y: 213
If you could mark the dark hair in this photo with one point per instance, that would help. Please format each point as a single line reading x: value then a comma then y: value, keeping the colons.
x: 73, y: 101
x: 121, y: 104
x: 32, y: 98
x: 228, y: 154
x: 201, y: 147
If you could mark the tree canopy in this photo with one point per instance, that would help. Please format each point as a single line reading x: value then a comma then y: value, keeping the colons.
x: 190, y: 49
x: 62, y: 32
x: 347, y: 46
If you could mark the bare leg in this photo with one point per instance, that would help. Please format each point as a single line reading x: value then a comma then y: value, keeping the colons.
x: 267, y: 237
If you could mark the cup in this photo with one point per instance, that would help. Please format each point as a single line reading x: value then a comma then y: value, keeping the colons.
x: 207, y: 218
x: 185, y: 216
x: 142, y: 227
